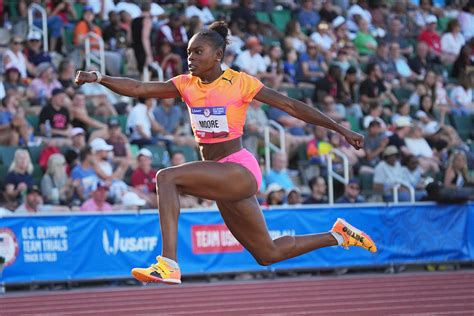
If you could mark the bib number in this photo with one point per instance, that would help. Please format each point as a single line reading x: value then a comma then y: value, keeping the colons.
x: 210, y: 122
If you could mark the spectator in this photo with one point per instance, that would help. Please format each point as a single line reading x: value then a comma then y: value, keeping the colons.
x: 351, y: 193
x: 462, y: 96
x: 14, y: 128
x: 430, y: 36
x: 255, y: 122
x: 195, y: 25
x: 294, y: 37
x: 336, y: 111
x: 84, y: 171
x: 54, y: 119
x: 389, y: 173
x: 141, y: 43
x: 19, y: 178
x: 396, y: 35
x: 116, y: 37
x: 66, y: 73
x: 319, y: 146
x: 244, y: 13
x: 273, y: 75
x: 466, y: 20
x: 318, y: 191
x: 143, y: 177
x: 312, y: 64
x: 41, y: 88
x: 423, y: 61
x: 340, y: 31
x: 414, y: 175
x: 364, y: 41
x: 113, y: 59
x: 175, y: 33
x: 279, y: 173
x: 330, y: 84
x: 374, y: 144
x: 33, y: 202
x: 419, y: 147
x: 451, y: 42
x: 462, y: 63
x: 403, y: 112
x: 397, y: 139
x: 324, y: 37
x: 78, y: 139
x: 199, y: 9
x: 141, y: 123
x: 98, y: 201
x: 250, y: 60
x: 56, y: 187
x: 386, y: 64
x: 294, y: 197
x: 58, y: 19
x: 12, y: 82
x: 353, y: 155
x: 374, y: 89
x: 403, y: 71
x: 457, y: 173
x: 307, y: 16
x: 350, y: 86
x: 275, y: 195
x: 105, y: 169
x: 34, y: 50
x: 80, y: 116
x: 375, y: 114
x: 115, y: 137
x: 169, y: 117
x: 170, y: 62
x: 14, y: 57
x: 435, y: 131
x: 329, y: 12
x: 290, y: 67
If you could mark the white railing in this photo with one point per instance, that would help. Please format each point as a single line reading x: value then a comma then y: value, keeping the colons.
x: 156, y: 67
x: 334, y: 175
x: 406, y: 185
x: 90, y: 57
x: 44, y: 22
x: 269, y: 146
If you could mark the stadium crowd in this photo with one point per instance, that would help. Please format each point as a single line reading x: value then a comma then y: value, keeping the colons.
x: 401, y: 72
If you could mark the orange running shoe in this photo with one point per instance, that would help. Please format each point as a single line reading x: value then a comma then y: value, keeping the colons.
x: 160, y: 272
x: 353, y: 236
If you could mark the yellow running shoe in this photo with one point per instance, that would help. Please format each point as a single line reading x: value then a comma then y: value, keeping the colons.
x: 353, y: 236
x: 160, y: 272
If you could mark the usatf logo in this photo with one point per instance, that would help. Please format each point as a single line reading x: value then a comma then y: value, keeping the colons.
x: 127, y: 244
x: 207, y: 112
x: 8, y: 246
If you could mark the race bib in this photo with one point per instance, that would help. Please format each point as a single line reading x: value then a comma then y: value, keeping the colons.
x: 210, y: 122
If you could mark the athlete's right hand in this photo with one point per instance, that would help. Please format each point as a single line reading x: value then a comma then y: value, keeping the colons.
x: 85, y: 77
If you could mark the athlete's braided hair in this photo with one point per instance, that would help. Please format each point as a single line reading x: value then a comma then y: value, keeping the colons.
x: 216, y: 34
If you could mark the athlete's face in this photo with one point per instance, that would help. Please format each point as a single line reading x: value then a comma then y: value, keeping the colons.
x: 202, y: 57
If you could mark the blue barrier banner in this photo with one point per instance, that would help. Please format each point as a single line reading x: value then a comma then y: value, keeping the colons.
x: 80, y: 247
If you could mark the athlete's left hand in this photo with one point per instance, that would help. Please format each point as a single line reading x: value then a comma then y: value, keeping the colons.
x: 353, y: 138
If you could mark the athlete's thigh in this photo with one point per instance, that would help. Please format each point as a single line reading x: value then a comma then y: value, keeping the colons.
x: 213, y: 180
x: 246, y: 222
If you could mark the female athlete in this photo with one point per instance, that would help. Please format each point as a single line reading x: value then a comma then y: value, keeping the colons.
x: 217, y: 101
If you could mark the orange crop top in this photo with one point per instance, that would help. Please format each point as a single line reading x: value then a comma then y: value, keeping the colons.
x: 217, y: 110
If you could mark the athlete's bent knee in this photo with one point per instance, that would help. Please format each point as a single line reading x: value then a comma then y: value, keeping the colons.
x: 164, y: 176
x: 265, y: 259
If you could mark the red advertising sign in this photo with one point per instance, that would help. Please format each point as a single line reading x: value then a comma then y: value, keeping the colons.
x: 214, y: 238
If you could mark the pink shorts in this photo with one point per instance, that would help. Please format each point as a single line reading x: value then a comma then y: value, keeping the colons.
x: 245, y: 158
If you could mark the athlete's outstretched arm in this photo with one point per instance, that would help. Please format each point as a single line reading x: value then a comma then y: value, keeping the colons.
x: 130, y: 87
x: 308, y: 114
